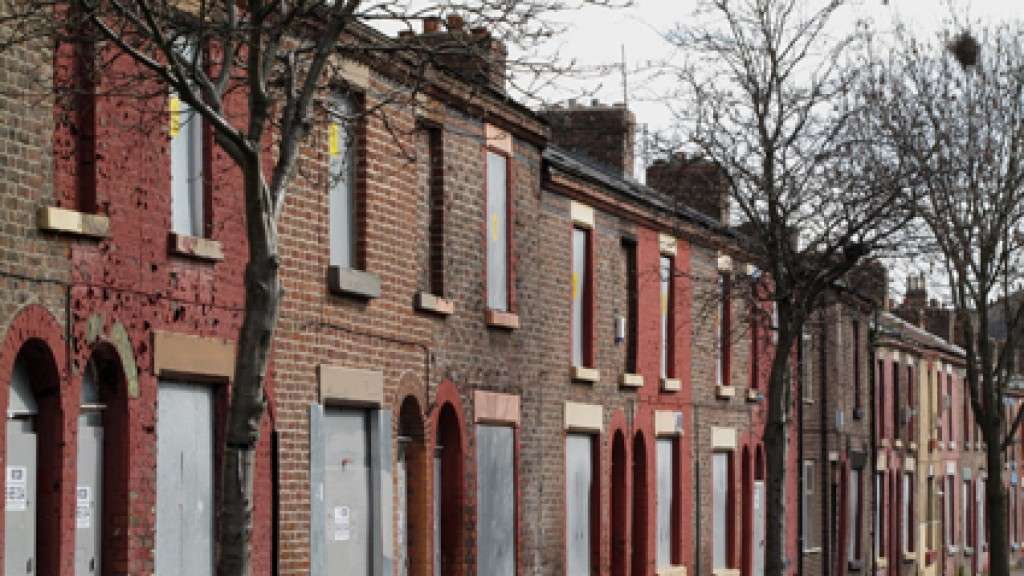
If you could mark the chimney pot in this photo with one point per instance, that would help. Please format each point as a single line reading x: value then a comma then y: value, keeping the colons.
x: 571, y: 103
x: 595, y: 102
x: 431, y: 24
x: 455, y: 23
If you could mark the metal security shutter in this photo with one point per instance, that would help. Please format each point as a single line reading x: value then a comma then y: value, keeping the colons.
x: 665, y: 460
x: 184, y: 487
x: 579, y: 480
x: 89, y: 486
x: 20, y: 508
x: 496, y: 535
x: 497, y: 231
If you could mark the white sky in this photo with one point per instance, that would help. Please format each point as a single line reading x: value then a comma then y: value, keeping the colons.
x: 596, y: 36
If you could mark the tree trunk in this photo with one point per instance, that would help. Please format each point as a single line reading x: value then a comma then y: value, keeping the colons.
x: 262, y: 300
x: 997, y: 532
x: 775, y: 456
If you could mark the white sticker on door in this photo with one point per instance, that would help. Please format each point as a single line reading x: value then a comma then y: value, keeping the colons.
x: 17, y: 494
x: 83, y: 507
x: 342, y: 524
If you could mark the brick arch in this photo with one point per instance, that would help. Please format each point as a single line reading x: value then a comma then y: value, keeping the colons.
x: 35, y: 332
x: 619, y: 442
x: 447, y: 419
x: 114, y: 393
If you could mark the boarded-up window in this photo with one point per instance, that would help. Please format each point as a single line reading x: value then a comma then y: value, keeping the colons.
x: 666, y: 463
x: 806, y: 513
x: 580, y: 298
x: 720, y: 483
x: 909, y: 524
x: 497, y: 231
x: 950, y: 518
x: 186, y: 131
x: 342, y: 198
x: 724, y: 331
x: 665, y: 270
x: 496, y: 497
x: 579, y: 501
x: 853, y: 518
x: 807, y: 363
x: 880, y: 515
x: 632, y: 303
x: 980, y: 507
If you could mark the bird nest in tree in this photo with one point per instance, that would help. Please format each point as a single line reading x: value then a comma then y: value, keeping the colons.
x: 965, y: 49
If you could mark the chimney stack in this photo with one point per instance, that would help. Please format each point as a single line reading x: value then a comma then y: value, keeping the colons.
x: 475, y: 57
x: 694, y: 182
x: 603, y: 133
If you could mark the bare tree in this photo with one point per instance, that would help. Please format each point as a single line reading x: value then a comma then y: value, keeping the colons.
x: 953, y: 116
x: 768, y: 98
x: 260, y: 73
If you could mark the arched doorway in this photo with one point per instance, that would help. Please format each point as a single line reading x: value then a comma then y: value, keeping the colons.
x: 102, y: 469
x: 639, y: 530
x: 747, y: 493
x: 758, y: 512
x: 618, y: 505
x: 448, y: 478
x: 33, y: 463
x: 413, y: 503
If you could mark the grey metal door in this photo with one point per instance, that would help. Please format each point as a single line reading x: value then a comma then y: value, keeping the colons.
x: 437, y: 510
x: 402, y: 562
x: 758, y: 568
x: 20, y: 505
x: 496, y: 496
x: 184, y: 485
x: 347, y: 493
x: 88, y: 493
x: 578, y: 482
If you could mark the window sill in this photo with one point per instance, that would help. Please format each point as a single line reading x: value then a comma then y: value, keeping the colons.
x: 349, y: 282
x: 194, y: 247
x: 588, y: 375
x: 671, y: 385
x: 815, y: 550
x: 725, y: 392
x: 897, y: 444
x: 952, y: 550
x: 968, y: 551
x: 1015, y: 547
x: 725, y: 572
x: 855, y: 565
x: 808, y: 401
x: 754, y: 395
x: 912, y: 446
x: 500, y: 319
x: 881, y: 563
x: 64, y: 221
x: 631, y: 380
x: 910, y: 556
x: 427, y: 302
x: 883, y: 442
x: 671, y: 571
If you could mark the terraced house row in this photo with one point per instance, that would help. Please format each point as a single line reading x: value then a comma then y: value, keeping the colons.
x: 498, y: 355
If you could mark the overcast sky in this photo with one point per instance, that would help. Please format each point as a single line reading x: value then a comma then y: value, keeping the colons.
x: 596, y: 37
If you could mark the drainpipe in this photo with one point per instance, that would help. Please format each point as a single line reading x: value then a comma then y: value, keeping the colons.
x: 873, y: 444
x: 800, y: 455
x: 696, y: 486
x: 826, y: 532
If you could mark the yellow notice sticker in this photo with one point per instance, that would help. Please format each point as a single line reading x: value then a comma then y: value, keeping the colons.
x: 664, y: 303
x: 174, y: 110
x: 575, y: 285
x: 333, y: 139
x: 494, y: 227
